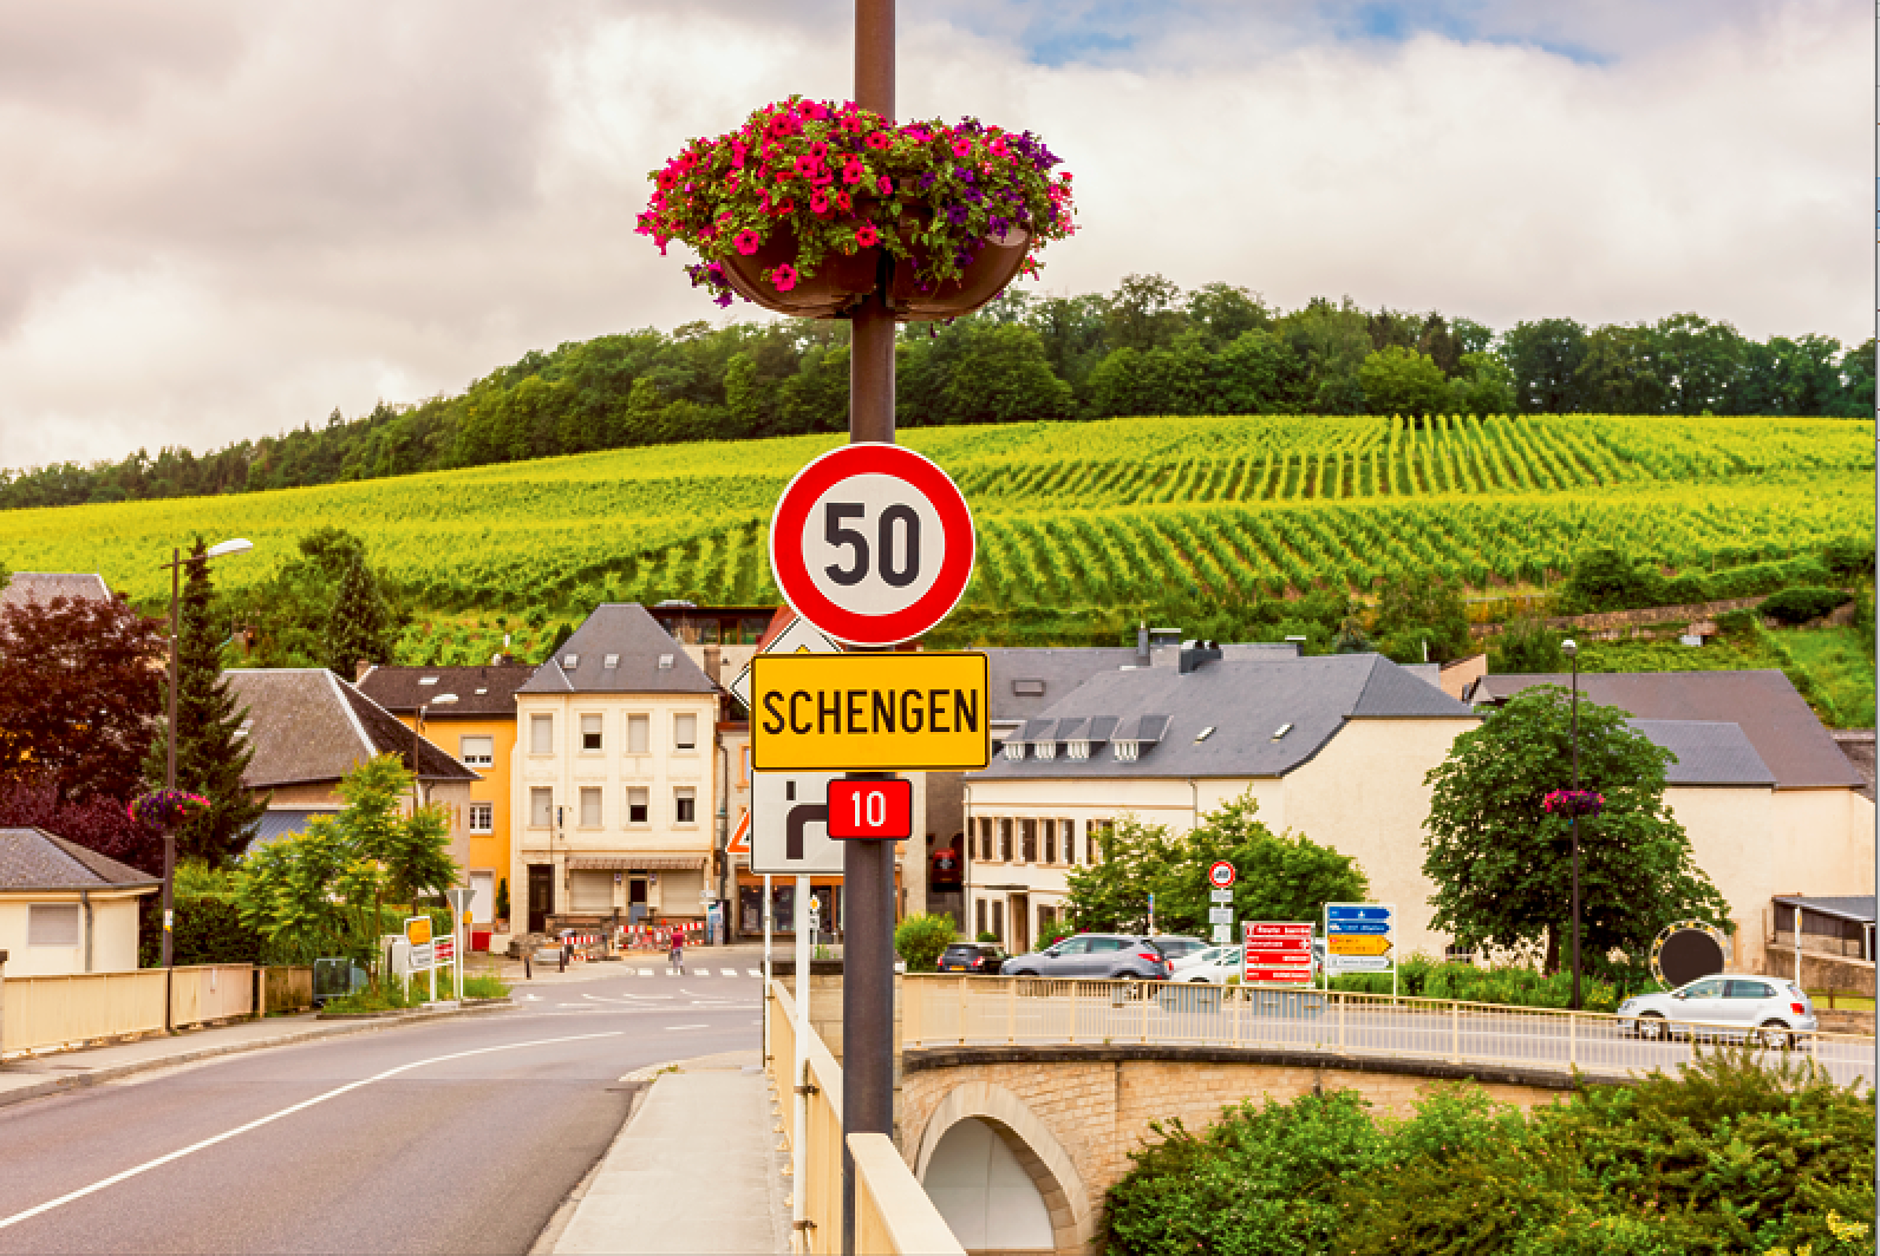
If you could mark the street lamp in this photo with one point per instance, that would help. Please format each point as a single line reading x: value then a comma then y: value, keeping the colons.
x: 176, y: 563
x: 1572, y: 651
x: 417, y: 731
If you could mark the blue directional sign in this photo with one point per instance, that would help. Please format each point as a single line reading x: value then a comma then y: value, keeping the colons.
x: 1360, y: 938
x: 1346, y: 911
x: 1359, y: 926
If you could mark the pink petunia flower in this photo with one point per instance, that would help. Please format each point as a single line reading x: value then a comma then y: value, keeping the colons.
x: 879, y: 139
x: 854, y: 172
x: 866, y: 235
x: 962, y: 148
x: 746, y: 242
x: 884, y: 185
x: 818, y: 202
x: 843, y: 202
x: 783, y: 278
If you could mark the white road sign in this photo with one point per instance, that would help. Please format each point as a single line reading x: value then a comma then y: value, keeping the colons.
x: 789, y: 811
x: 1220, y: 896
x: 799, y: 637
x: 1220, y: 915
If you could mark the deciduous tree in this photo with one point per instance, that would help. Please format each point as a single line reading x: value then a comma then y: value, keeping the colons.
x: 1501, y: 864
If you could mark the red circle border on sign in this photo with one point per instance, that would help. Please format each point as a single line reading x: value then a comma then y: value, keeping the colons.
x: 792, y: 516
x: 1222, y: 863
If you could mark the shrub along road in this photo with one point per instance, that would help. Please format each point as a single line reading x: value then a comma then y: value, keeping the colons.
x: 457, y: 1136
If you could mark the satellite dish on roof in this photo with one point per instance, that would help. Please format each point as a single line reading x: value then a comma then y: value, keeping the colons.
x: 1685, y: 951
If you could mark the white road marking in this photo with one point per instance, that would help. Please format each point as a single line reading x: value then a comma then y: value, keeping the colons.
x: 755, y: 972
x: 302, y: 1106
x: 644, y: 972
x: 688, y: 1027
x: 727, y: 972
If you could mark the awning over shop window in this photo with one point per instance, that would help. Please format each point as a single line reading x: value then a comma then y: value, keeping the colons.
x: 635, y: 863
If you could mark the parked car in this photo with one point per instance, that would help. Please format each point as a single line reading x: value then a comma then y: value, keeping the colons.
x: 972, y: 957
x: 1178, y: 946
x: 1099, y: 956
x: 1768, y: 1010
x: 1213, y: 964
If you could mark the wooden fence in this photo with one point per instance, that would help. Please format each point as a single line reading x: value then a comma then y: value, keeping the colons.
x: 85, y: 1009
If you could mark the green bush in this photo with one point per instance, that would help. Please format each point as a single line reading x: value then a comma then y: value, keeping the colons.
x: 1767, y: 577
x: 208, y: 931
x: 1511, y: 985
x: 921, y: 938
x: 1799, y: 605
x: 1850, y: 557
x: 1727, y: 1156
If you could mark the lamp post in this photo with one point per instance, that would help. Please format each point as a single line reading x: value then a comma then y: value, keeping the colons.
x: 417, y: 735
x: 176, y: 564
x: 1572, y: 651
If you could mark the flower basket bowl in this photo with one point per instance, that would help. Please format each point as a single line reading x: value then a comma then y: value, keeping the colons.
x: 841, y: 282
x: 1573, y: 802
x: 167, y: 808
x: 811, y: 207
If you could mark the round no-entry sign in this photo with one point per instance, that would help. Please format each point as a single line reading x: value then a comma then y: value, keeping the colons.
x: 873, y: 544
x: 1221, y: 874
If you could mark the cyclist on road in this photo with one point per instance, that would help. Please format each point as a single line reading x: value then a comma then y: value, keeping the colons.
x: 675, y: 958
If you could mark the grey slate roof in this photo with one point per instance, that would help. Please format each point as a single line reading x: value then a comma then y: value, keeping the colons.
x: 1709, y: 753
x: 308, y: 725
x: 1785, y: 733
x: 43, y: 586
x: 1856, y: 907
x: 1024, y: 681
x: 278, y: 822
x: 1245, y: 702
x: 635, y: 639
x: 481, y: 691
x: 33, y: 859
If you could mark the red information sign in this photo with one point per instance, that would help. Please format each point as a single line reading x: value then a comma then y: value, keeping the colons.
x: 871, y: 808
x: 1277, y: 950
x: 873, y: 544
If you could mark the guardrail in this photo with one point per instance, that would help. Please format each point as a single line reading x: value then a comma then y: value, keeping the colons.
x: 42, y: 1013
x: 984, y: 1011
x: 892, y: 1212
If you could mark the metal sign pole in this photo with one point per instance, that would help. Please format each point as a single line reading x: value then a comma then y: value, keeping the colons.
x: 799, y: 1067
x: 868, y: 865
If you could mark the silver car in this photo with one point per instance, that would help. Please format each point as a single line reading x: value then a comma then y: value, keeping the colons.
x: 1743, y: 1006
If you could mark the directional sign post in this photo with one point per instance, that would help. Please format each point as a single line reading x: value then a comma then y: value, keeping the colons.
x: 1361, y: 938
x: 1277, y: 951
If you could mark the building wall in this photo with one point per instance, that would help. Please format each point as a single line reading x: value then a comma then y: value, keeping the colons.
x: 113, y: 939
x: 568, y: 769
x: 483, y: 852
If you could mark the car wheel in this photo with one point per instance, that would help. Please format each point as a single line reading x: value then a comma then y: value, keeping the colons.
x: 1773, y: 1033
x: 1651, y: 1027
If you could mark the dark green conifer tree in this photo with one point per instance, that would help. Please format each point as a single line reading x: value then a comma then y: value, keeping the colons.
x: 211, y: 752
x: 360, y: 625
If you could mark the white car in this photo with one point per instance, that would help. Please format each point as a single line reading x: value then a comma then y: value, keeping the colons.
x: 1213, y: 965
x: 1756, y: 1008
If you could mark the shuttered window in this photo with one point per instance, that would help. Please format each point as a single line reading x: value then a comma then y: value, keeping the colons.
x: 685, y: 732
x: 590, y: 732
x: 52, y: 924
x: 541, y: 734
x: 591, y: 891
x: 590, y: 807
x: 541, y: 806
x: 638, y: 741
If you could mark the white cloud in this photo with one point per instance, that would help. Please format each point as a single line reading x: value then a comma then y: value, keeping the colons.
x: 228, y: 225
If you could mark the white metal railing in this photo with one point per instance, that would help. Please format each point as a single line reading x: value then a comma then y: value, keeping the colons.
x: 988, y: 1011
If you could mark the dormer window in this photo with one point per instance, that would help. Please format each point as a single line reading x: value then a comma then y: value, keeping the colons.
x: 1126, y: 751
x: 570, y: 661
x: 1076, y: 750
x: 1046, y: 750
x: 1015, y: 750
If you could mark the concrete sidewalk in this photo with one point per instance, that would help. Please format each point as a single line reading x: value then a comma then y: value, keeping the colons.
x: 31, y: 1077
x: 695, y: 1170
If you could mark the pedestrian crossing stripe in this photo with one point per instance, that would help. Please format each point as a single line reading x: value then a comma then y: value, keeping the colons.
x: 727, y: 972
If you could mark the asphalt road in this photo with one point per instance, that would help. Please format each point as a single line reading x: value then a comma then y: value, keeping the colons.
x: 462, y: 1135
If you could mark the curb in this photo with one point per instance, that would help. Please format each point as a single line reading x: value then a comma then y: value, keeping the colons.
x: 81, y: 1081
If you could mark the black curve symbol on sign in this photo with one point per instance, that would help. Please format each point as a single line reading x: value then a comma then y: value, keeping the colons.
x: 799, y: 818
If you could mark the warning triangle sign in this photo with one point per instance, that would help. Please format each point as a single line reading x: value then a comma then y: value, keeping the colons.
x: 740, y: 843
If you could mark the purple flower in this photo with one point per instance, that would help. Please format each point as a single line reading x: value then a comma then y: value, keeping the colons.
x: 963, y: 175
x: 999, y: 225
x: 926, y: 180
x: 956, y: 214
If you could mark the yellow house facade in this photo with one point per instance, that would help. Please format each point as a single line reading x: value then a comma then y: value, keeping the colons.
x: 477, y: 727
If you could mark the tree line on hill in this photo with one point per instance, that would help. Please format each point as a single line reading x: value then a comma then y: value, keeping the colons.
x: 1146, y: 348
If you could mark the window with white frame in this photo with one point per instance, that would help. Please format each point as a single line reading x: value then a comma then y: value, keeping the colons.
x: 638, y: 805
x: 1069, y: 828
x: 685, y: 732
x: 639, y: 734
x: 590, y: 806
x: 590, y: 733
x: 52, y: 924
x: 685, y: 805
x: 476, y: 752
x: 541, y: 734
x: 541, y: 807
x: 1050, y: 840
x: 482, y: 817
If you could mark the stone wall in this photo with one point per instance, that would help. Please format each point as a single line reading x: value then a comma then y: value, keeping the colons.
x: 1607, y: 624
x: 1820, y: 971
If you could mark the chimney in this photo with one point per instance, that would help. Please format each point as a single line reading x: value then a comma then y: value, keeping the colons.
x: 361, y: 669
x: 1195, y: 653
x: 1142, y: 645
x: 714, y: 662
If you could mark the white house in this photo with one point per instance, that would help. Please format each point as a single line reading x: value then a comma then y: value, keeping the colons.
x: 66, y: 909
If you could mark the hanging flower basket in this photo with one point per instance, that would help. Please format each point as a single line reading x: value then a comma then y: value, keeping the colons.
x: 167, y: 808
x: 1573, y: 802
x: 811, y: 206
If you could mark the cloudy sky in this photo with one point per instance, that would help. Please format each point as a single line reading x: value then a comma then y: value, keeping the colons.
x: 221, y: 220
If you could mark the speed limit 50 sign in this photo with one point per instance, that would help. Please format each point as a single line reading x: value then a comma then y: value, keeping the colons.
x: 873, y: 544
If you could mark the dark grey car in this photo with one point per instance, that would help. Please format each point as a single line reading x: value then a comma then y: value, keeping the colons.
x: 1097, y: 956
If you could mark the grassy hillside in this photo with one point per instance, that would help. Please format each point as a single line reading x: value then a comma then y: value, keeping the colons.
x: 1099, y: 522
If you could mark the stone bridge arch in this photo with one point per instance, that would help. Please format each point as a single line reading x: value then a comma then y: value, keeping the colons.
x: 1066, y: 1198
